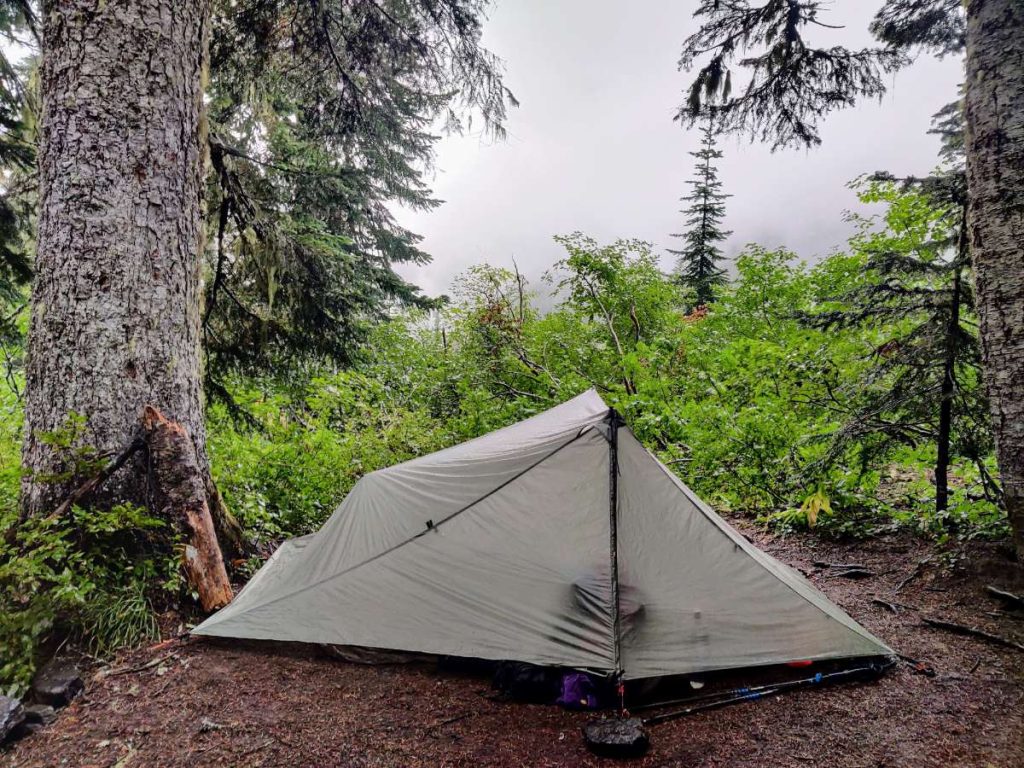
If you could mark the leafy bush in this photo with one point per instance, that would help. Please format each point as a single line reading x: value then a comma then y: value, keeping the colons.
x: 284, y: 474
x: 742, y: 399
x: 88, y: 574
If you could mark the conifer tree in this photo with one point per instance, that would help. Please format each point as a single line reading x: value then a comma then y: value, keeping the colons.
x: 792, y: 82
x: 922, y: 386
x: 697, y: 263
x: 316, y: 116
x: 323, y: 116
x: 17, y: 160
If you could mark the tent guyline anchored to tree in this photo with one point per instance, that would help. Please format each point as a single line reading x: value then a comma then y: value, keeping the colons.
x: 559, y: 541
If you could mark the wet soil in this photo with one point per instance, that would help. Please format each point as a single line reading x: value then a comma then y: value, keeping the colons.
x: 216, y: 703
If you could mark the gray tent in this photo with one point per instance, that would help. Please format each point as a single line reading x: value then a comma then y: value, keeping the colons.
x: 524, y: 544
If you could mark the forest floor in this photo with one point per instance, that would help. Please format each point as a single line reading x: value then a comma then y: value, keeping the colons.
x: 216, y: 703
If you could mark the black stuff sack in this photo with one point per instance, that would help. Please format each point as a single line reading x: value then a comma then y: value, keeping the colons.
x: 527, y: 682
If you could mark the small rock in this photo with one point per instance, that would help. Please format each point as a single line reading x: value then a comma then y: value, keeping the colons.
x: 12, y: 714
x: 40, y: 714
x: 615, y: 737
x: 57, y: 683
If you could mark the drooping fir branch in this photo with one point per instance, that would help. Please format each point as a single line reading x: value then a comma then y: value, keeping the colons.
x: 937, y: 25
x: 322, y: 118
x: 790, y: 83
x: 18, y: 108
x: 785, y: 81
x: 697, y: 263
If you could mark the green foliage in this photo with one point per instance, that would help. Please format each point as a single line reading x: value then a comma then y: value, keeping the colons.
x: 743, y: 401
x: 11, y: 418
x: 123, y: 618
x: 284, y: 474
x: 96, y: 575
x: 88, y: 574
x: 323, y: 116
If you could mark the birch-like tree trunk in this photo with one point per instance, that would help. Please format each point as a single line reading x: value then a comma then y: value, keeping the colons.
x: 995, y: 174
x: 115, y: 303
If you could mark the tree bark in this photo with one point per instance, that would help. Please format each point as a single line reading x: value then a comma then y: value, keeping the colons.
x: 995, y: 176
x: 115, y: 302
x: 180, y: 495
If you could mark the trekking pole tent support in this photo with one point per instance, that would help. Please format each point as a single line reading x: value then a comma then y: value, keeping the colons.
x: 614, y: 422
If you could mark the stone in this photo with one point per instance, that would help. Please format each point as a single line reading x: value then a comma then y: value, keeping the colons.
x: 12, y: 715
x: 40, y: 714
x: 616, y: 737
x: 57, y: 683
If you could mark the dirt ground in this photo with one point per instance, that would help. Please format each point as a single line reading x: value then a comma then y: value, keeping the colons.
x: 206, y: 703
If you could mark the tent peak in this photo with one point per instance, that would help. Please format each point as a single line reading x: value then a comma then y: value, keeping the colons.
x: 552, y: 425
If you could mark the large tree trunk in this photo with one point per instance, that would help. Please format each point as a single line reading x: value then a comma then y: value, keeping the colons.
x: 115, y: 303
x: 995, y: 174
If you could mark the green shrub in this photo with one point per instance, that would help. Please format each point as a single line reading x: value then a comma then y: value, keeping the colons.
x: 88, y: 575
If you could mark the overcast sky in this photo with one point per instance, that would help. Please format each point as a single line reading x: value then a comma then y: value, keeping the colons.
x: 593, y: 146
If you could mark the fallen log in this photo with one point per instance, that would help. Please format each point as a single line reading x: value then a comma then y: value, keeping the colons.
x: 179, y: 490
x: 961, y: 629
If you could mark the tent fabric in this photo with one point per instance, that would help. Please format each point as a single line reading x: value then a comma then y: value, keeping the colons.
x: 500, y: 548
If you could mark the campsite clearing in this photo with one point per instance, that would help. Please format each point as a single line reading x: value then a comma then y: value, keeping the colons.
x: 228, y: 703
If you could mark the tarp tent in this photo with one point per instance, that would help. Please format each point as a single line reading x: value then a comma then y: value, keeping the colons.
x: 559, y: 540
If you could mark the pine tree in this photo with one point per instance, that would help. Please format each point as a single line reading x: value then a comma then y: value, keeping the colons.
x: 697, y: 265
x: 17, y: 160
x: 316, y: 115
x: 323, y: 117
x: 923, y: 386
x: 792, y: 84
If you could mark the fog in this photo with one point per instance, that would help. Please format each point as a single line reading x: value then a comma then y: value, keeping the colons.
x: 593, y: 146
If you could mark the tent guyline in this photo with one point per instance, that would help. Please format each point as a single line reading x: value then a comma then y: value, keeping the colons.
x: 559, y: 541
x: 430, y: 524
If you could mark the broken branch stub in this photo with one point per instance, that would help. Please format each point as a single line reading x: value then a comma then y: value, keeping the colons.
x: 179, y: 491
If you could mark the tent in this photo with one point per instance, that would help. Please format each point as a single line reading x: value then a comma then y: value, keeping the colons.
x: 560, y: 541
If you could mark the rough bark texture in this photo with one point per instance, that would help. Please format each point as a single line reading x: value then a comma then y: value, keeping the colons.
x: 995, y: 174
x: 179, y: 493
x: 115, y: 304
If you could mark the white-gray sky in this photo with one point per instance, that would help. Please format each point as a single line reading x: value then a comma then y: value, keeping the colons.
x: 593, y: 146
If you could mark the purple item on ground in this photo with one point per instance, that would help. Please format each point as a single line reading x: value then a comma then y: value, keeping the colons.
x: 578, y: 691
